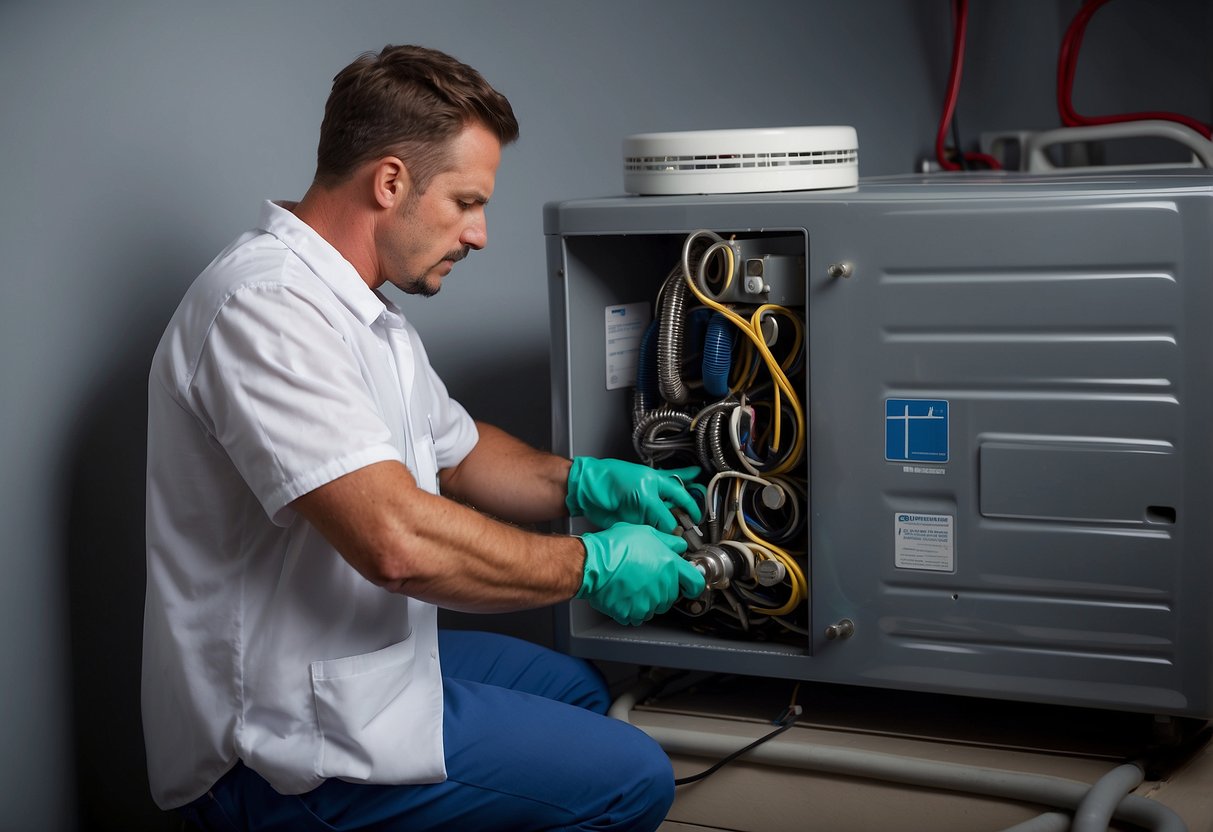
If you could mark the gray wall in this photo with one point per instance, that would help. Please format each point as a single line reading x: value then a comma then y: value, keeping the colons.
x: 136, y: 139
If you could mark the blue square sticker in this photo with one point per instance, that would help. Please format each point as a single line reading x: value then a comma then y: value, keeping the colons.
x: 915, y: 430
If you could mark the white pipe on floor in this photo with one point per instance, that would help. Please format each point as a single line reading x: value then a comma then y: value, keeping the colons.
x: 1026, y: 788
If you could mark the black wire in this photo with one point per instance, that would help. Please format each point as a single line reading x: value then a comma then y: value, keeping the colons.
x: 960, y: 156
x: 785, y: 721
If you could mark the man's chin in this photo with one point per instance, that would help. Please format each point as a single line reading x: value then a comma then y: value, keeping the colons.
x: 425, y: 287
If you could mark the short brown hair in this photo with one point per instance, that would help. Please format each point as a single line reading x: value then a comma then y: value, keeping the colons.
x: 408, y: 102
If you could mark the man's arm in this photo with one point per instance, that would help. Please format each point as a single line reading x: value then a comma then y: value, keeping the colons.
x: 509, y: 479
x: 409, y: 541
x: 415, y: 543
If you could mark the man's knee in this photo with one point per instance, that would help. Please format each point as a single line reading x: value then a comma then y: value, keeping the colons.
x: 645, y: 784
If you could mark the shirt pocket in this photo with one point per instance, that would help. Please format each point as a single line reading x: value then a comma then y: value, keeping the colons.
x: 368, y: 710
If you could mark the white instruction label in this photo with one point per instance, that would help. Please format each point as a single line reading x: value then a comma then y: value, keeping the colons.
x: 625, y: 326
x: 924, y: 541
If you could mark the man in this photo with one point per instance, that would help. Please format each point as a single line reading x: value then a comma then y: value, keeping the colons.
x: 298, y: 546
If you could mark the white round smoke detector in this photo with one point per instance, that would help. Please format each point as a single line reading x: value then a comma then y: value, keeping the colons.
x: 741, y: 161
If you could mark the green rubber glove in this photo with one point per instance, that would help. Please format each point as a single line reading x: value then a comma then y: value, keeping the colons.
x: 635, y: 572
x: 610, y: 491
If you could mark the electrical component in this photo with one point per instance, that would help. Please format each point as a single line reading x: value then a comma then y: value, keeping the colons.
x: 757, y: 276
x: 726, y: 401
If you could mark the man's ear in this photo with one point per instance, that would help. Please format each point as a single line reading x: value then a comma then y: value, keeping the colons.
x: 391, y: 182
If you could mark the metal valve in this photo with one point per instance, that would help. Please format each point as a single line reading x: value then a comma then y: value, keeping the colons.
x: 716, y: 564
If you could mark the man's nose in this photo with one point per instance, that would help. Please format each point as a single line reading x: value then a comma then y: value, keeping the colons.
x: 475, y: 235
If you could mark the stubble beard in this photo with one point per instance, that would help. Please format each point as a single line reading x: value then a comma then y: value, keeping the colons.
x: 420, y: 284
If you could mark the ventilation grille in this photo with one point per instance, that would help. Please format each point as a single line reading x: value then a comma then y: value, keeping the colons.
x: 723, y: 161
x: 741, y: 161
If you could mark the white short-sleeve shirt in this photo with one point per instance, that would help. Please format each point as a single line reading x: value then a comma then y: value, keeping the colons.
x: 280, y: 371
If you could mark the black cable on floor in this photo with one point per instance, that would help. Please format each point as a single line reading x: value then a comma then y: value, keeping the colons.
x: 785, y: 721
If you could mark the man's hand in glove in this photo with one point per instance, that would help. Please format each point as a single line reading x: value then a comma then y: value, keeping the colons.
x: 635, y: 572
x: 610, y: 491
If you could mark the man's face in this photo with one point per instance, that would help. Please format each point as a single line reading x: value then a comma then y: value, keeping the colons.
x: 434, y: 230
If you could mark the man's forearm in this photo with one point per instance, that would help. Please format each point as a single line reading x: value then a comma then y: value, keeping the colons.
x: 507, y: 478
x: 416, y: 543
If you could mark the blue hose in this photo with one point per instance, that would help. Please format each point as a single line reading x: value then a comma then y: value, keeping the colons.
x: 718, y: 355
x: 648, y: 396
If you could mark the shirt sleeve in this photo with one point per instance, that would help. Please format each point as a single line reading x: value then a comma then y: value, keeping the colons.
x: 281, y: 391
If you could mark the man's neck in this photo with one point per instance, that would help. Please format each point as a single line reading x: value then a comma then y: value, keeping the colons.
x: 348, y: 227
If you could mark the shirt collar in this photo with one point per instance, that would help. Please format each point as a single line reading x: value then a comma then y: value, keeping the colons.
x: 325, y: 261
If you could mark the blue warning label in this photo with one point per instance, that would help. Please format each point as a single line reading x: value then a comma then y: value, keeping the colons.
x: 916, y: 430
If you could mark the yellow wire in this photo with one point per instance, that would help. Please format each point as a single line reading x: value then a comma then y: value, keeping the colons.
x: 747, y: 369
x: 797, y: 328
x: 777, y: 373
x: 796, y: 576
x: 754, y: 331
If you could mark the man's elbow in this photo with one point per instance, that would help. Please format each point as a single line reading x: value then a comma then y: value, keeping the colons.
x: 391, y: 565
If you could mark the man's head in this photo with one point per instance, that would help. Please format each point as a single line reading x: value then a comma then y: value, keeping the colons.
x: 408, y: 102
x: 409, y: 150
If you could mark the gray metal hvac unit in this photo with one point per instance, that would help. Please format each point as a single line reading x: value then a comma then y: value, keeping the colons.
x: 1007, y: 393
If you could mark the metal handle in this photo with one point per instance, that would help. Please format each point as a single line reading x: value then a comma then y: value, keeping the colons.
x: 1035, y: 144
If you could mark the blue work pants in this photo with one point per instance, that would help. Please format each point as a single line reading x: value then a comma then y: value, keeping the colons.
x: 527, y: 749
